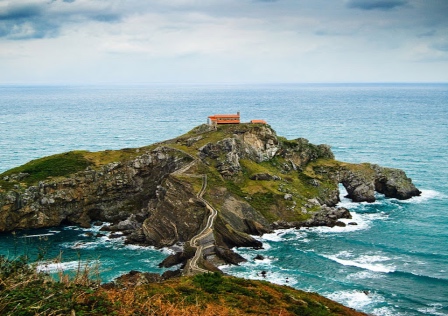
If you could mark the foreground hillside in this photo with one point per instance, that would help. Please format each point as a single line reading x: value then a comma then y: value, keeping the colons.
x: 25, y: 292
x: 208, y: 190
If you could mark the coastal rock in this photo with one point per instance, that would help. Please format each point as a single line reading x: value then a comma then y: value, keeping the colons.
x: 254, y: 180
x: 178, y: 258
x: 394, y: 183
x: 360, y: 186
x: 137, y: 278
x: 130, y: 223
x: 301, y: 152
x: 326, y: 216
x: 111, y: 193
x: 362, y: 181
x: 264, y: 176
x: 172, y: 218
x: 228, y: 236
x: 229, y: 256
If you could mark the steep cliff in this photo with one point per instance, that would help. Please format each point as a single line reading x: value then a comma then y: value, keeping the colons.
x: 162, y: 195
x: 110, y: 192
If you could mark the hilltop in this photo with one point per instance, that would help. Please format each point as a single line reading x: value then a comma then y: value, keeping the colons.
x: 25, y: 292
x: 208, y: 191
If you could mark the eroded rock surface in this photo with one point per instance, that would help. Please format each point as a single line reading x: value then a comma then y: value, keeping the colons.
x: 113, y: 193
x: 362, y: 184
x: 257, y: 182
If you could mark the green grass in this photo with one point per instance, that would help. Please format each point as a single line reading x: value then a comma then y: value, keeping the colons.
x: 60, y: 165
x: 65, y: 164
x: 286, y: 142
x: 23, y: 291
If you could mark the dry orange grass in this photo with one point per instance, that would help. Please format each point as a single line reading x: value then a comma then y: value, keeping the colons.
x: 128, y: 303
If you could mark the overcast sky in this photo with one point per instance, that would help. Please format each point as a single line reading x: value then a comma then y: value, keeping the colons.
x: 222, y: 41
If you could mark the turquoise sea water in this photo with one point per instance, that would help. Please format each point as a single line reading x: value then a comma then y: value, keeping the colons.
x: 394, y: 262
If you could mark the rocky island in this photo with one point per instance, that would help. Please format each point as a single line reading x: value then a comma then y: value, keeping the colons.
x: 206, y: 191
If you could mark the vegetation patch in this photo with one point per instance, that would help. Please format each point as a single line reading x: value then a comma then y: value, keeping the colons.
x: 64, y: 165
x: 105, y: 157
x: 60, y: 165
x: 24, y: 291
x: 287, y: 143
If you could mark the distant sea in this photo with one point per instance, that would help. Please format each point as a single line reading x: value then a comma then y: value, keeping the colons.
x: 394, y: 262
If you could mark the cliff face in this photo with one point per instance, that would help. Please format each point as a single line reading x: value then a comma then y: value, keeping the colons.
x: 256, y: 181
x: 112, y: 193
x: 176, y: 215
x: 362, y: 184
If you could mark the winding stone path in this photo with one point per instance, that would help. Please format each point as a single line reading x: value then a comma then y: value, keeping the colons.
x: 202, y: 240
x: 205, y: 239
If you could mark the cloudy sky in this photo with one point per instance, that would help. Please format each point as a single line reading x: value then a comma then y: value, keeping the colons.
x: 222, y: 41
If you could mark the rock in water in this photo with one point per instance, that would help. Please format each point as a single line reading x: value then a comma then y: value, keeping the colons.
x: 255, y: 180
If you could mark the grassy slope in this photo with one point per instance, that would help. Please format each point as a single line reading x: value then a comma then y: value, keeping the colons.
x: 64, y: 165
x: 25, y: 292
x: 265, y: 196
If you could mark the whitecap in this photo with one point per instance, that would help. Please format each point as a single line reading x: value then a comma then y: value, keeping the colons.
x: 355, y: 299
x: 249, y: 256
x: 281, y: 235
x: 83, y: 245
x: 263, y: 262
x: 363, y: 221
x: 265, y: 247
x: 276, y: 236
x: 365, y: 274
x: 425, y: 196
x: 368, y: 262
x: 350, y: 205
x: 254, y: 272
x: 432, y: 309
x: 72, y: 228
x: 103, y: 241
x: 52, y: 267
x: 137, y: 247
x: 38, y: 235
x: 97, y: 228
x: 166, y: 251
x: 385, y: 311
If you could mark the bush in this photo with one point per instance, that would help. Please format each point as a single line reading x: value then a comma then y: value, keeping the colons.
x: 209, y: 282
x: 24, y: 291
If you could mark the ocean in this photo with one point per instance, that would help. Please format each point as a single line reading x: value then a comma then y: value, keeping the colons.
x: 394, y: 262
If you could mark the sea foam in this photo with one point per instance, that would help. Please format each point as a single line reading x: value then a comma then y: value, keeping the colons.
x: 53, y: 267
x: 253, y: 271
x: 359, y: 300
x: 373, y: 263
x: 36, y: 236
x: 433, y: 309
x: 425, y: 196
x: 363, y: 221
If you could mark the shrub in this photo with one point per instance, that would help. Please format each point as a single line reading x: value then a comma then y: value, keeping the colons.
x: 209, y: 282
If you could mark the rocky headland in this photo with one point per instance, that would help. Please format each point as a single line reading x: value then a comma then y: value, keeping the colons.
x: 249, y: 179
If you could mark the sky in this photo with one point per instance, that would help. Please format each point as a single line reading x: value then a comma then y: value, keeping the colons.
x: 222, y: 41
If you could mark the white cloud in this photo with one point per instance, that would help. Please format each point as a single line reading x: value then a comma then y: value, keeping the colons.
x: 236, y: 40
